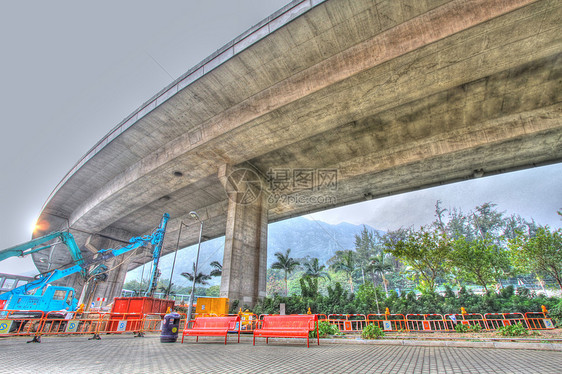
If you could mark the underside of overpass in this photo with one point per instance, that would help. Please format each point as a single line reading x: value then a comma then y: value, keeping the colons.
x: 325, y: 103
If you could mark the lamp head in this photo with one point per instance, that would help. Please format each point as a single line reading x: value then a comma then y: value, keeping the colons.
x: 193, y: 214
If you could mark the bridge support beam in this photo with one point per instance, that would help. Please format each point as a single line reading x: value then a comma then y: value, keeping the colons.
x: 245, y: 249
x: 112, y: 286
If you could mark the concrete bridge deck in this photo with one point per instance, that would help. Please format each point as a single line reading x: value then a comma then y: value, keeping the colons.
x: 387, y: 96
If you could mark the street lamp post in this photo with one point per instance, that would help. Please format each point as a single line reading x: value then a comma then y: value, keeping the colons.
x: 190, y: 307
x: 173, y: 263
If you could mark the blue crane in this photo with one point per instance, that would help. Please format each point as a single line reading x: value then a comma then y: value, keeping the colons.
x: 47, y: 298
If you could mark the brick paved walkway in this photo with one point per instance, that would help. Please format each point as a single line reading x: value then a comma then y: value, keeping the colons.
x: 125, y: 354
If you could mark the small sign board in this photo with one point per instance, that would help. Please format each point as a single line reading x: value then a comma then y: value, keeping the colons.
x: 72, y: 325
x: 5, y: 325
x: 387, y: 325
x: 426, y: 325
x: 122, y: 326
x: 548, y: 323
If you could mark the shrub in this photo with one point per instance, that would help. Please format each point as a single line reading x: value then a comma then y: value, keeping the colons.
x: 462, y: 328
x: 324, y: 329
x: 475, y: 328
x: 372, y: 332
x: 513, y: 330
x: 556, y: 314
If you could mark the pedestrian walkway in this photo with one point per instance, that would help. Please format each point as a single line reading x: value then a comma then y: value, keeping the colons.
x: 126, y: 354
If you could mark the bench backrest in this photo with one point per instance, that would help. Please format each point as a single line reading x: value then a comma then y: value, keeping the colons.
x: 292, y: 321
x: 225, y: 322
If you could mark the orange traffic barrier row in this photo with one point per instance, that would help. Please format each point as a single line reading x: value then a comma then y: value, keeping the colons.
x: 38, y: 323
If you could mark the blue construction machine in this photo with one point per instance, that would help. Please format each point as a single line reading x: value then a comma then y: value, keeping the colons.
x: 40, y: 295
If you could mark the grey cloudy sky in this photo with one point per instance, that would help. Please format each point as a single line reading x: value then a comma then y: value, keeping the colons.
x: 71, y: 71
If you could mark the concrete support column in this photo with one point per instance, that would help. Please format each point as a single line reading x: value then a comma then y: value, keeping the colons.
x: 245, y: 250
x: 112, y: 286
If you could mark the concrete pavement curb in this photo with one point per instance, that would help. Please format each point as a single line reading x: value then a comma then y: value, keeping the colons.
x: 444, y: 343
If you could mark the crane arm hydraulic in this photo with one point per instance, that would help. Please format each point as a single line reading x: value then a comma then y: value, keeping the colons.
x: 32, y: 246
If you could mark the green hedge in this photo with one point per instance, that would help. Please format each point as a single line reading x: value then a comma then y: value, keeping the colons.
x: 339, y: 301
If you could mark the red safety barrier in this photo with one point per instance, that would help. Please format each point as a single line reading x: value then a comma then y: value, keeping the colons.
x: 538, y: 321
x: 469, y: 319
x: 388, y: 322
x: 322, y: 317
x: 348, y: 322
x: 426, y: 322
x: 496, y: 320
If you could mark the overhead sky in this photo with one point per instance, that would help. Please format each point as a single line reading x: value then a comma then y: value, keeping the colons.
x: 71, y: 71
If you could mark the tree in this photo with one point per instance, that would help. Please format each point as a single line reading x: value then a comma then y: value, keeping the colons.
x: 286, y: 263
x: 425, y: 253
x: 200, y: 278
x: 479, y: 261
x: 541, y: 252
x: 364, y: 249
x: 313, y: 269
x: 217, y: 269
x: 486, y: 220
x: 380, y: 265
x: 344, y: 261
x: 439, y: 214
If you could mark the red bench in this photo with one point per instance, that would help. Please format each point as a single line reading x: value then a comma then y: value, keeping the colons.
x: 213, y: 326
x: 289, y: 326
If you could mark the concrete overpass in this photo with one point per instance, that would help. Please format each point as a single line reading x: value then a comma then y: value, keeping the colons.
x: 324, y: 103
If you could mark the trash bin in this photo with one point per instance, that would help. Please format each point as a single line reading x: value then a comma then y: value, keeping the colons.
x: 170, y: 327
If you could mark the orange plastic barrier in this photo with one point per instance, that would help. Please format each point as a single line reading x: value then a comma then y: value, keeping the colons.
x: 348, y: 322
x: 388, y: 322
x: 538, y: 321
x: 122, y: 322
x: 248, y: 322
x: 470, y: 319
x: 322, y: 317
x: 496, y: 320
x: 426, y: 322
x: 18, y: 323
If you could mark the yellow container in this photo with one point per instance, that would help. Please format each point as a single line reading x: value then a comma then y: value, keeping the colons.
x: 212, y: 306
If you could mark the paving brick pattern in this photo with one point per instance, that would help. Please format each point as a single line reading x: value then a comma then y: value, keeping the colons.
x: 125, y: 354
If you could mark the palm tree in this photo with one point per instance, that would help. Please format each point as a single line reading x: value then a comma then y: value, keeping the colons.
x: 286, y: 263
x: 167, y: 290
x: 201, y: 278
x: 314, y: 270
x: 344, y: 261
x: 217, y: 269
x: 380, y: 265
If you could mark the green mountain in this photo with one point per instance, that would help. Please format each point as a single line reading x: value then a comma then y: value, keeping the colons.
x: 305, y: 238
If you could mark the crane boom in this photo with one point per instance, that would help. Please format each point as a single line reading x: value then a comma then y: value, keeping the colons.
x: 32, y: 246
